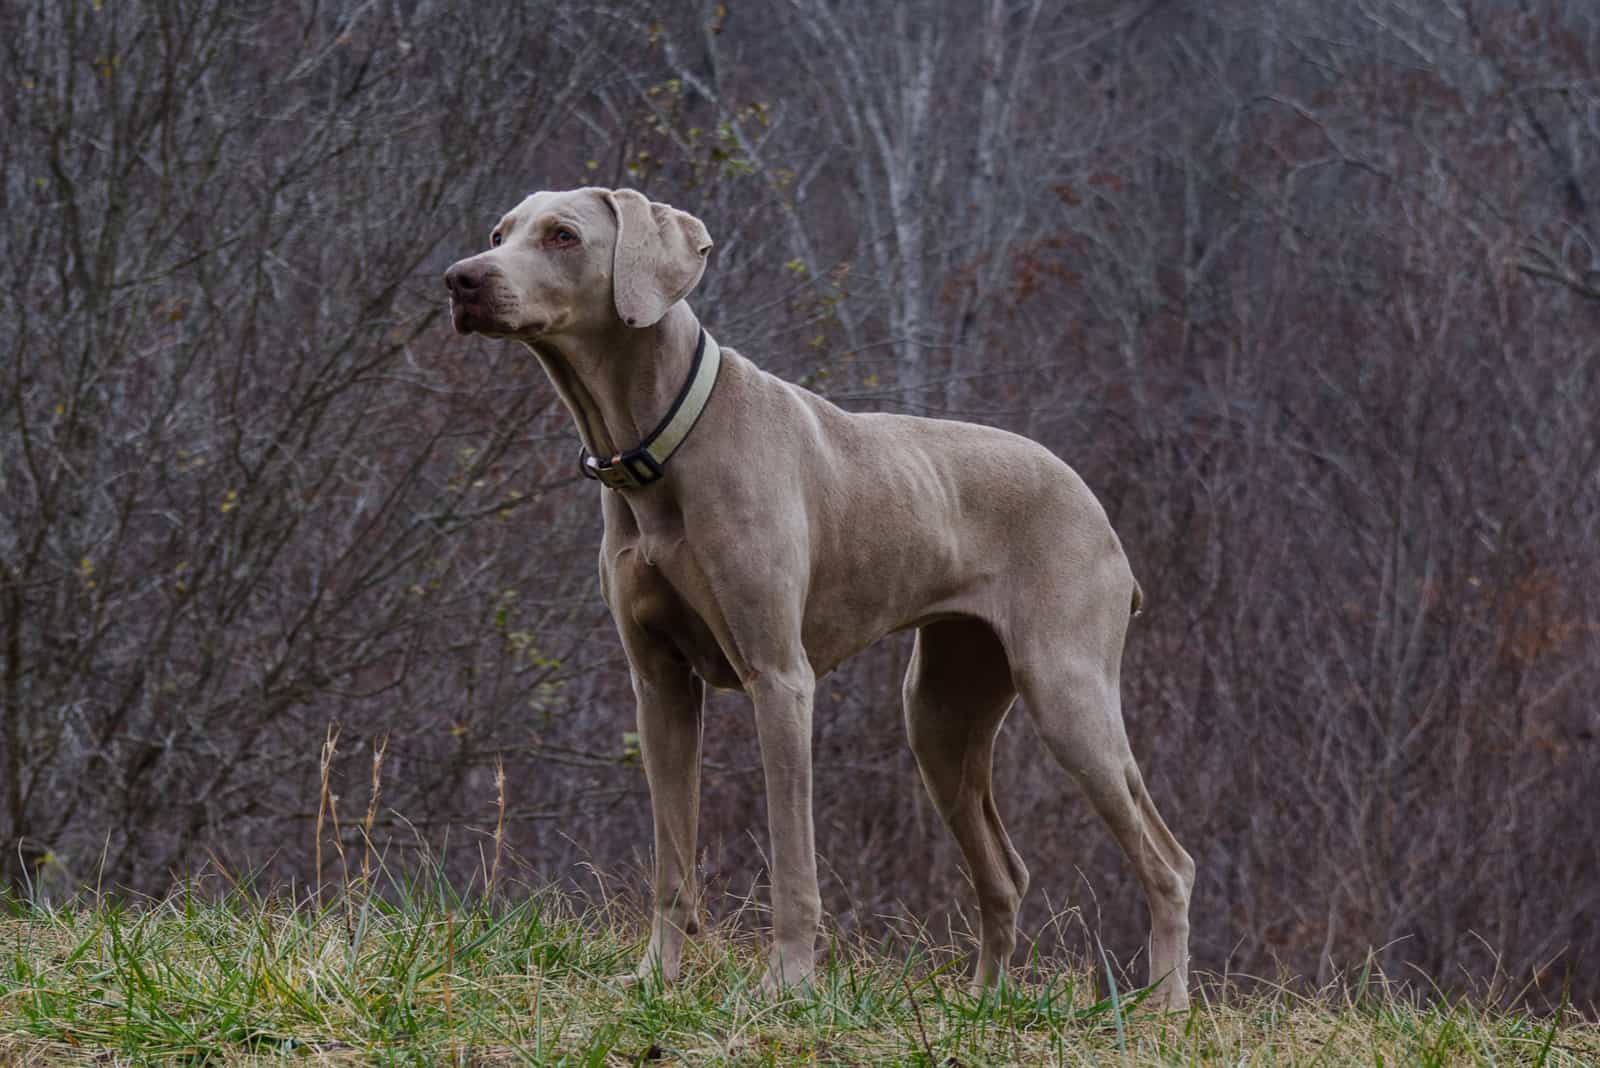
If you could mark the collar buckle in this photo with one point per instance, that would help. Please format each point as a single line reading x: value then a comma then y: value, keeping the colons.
x: 628, y: 470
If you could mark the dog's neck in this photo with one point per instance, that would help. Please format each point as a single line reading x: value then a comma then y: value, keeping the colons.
x: 618, y: 385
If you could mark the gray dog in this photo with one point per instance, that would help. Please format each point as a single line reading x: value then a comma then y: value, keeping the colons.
x: 787, y: 535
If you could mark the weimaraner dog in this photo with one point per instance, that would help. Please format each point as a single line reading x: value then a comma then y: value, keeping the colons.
x: 786, y: 535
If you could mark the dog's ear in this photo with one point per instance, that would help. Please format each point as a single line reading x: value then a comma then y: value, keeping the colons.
x: 659, y: 258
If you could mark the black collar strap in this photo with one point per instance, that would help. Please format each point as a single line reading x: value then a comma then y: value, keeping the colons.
x: 643, y: 464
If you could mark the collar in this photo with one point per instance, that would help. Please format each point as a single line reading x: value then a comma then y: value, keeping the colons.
x: 642, y: 464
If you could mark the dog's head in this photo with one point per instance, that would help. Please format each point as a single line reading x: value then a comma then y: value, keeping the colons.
x: 576, y: 262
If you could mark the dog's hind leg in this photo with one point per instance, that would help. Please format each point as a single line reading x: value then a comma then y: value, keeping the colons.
x: 957, y: 691
x: 1076, y: 706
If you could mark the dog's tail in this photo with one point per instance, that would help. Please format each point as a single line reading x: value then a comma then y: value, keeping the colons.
x: 1137, y: 608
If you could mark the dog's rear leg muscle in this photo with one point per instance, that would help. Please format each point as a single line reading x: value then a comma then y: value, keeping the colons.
x: 957, y: 691
x: 1078, y: 711
x: 670, y: 719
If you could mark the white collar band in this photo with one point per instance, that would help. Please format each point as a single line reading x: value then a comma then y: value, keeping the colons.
x: 643, y: 464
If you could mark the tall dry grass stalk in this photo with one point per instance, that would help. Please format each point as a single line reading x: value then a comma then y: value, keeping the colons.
x: 330, y: 746
x: 499, y: 823
x: 344, y: 866
x: 379, y: 748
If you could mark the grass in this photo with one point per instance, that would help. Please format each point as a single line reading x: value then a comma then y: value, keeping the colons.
x: 424, y: 977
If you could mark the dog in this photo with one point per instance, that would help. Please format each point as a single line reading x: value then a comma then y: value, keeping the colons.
x: 756, y: 536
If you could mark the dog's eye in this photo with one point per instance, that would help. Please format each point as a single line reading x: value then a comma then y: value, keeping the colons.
x: 495, y: 239
x: 563, y: 236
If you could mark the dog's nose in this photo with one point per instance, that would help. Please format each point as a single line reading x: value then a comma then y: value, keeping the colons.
x: 462, y: 279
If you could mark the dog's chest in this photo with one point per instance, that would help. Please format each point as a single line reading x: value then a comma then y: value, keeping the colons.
x: 655, y: 593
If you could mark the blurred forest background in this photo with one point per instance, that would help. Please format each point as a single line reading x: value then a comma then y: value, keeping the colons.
x: 1309, y: 293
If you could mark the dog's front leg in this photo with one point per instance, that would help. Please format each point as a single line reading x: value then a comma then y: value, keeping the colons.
x: 670, y: 718
x: 783, y: 721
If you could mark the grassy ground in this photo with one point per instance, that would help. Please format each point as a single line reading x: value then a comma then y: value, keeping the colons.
x: 434, y: 980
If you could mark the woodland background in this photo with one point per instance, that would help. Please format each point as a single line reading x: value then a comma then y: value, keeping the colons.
x: 1309, y: 292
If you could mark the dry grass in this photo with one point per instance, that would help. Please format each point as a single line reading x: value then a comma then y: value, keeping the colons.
x: 408, y: 971
x: 417, y: 975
